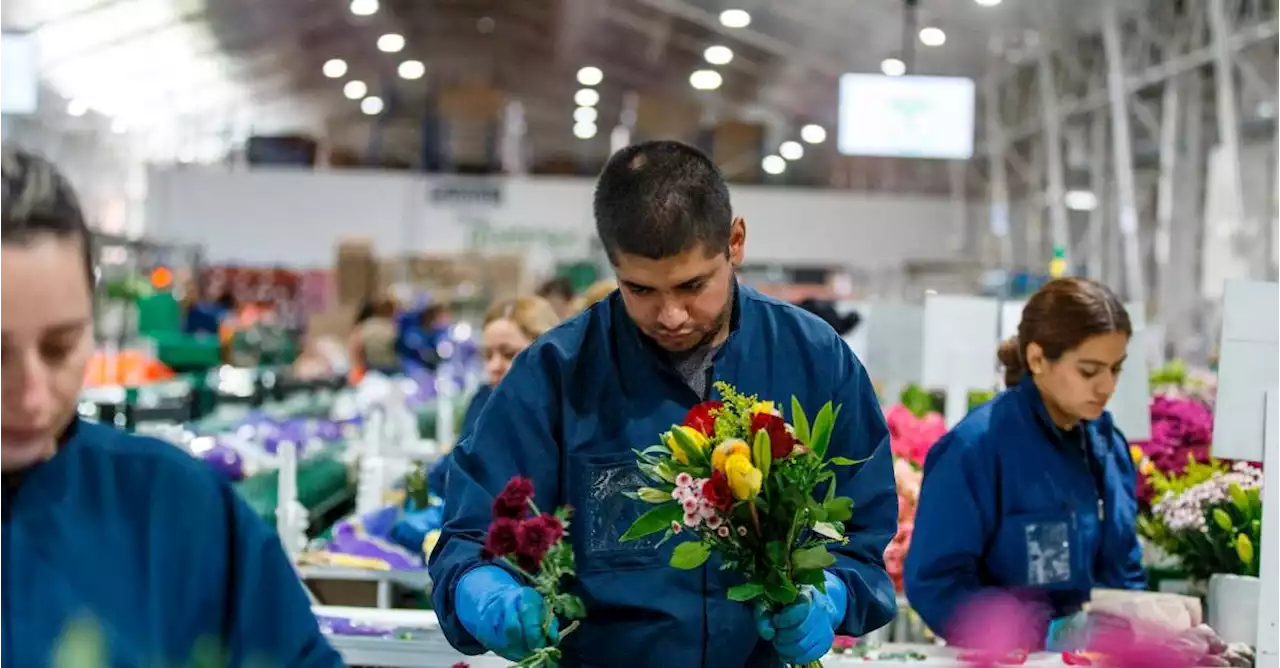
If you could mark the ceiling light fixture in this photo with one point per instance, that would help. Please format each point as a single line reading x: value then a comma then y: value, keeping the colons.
x: 932, y: 36
x: 1080, y: 200
x: 791, y: 150
x: 584, y: 130
x: 586, y: 97
x: 585, y: 115
x: 371, y: 106
x: 364, y: 7
x: 773, y: 164
x: 705, y: 80
x: 334, y: 68
x: 892, y: 67
x: 987, y: 3
x: 391, y: 42
x: 411, y: 69
x: 77, y: 108
x: 354, y: 90
x: 590, y: 76
x: 718, y: 55
x: 814, y: 134
x: 735, y: 18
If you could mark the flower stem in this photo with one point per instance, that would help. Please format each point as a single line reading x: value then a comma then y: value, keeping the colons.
x: 755, y: 518
x: 573, y: 626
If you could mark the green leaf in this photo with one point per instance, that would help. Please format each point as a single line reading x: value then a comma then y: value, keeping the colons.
x: 690, y: 555
x: 845, y: 461
x: 813, y: 577
x: 663, y: 471
x: 816, y: 511
x: 781, y: 592
x: 651, y: 495
x: 745, y: 592
x: 839, y: 509
x: 829, y: 530
x: 657, y: 519
x: 761, y: 453
x: 570, y: 607
x: 777, y: 552
x: 812, y: 558
x: 822, y: 426
x: 799, y: 421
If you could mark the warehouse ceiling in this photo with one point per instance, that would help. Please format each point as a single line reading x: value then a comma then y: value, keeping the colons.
x: 225, y: 68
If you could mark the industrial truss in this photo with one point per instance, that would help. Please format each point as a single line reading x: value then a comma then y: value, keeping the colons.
x: 1101, y: 140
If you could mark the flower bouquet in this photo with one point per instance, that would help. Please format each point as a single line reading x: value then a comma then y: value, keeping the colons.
x: 742, y: 481
x: 1213, y: 526
x: 533, y: 544
x: 1181, y: 431
x: 908, y: 479
x: 911, y: 435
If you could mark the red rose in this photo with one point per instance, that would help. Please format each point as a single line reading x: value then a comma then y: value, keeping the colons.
x: 513, y: 501
x: 716, y: 491
x: 780, y: 439
x: 535, y: 536
x: 502, y: 538
x: 699, y: 417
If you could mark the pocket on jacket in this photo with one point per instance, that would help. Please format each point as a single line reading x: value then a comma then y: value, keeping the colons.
x: 1038, y: 550
x: 606, y: 513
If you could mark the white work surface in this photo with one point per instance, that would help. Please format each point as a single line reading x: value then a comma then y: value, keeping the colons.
x: 432, y: 651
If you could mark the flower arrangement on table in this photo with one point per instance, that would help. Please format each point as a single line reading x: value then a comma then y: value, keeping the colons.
x: 1175, y: 380
x: 1181, y: 432
x: 742, y: 481
x: 534, y: 544
x: 908, y: 479
x: 1210, y: 518
x: 911, y: 435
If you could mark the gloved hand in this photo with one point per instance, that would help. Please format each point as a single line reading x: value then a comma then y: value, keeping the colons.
x: 804, y: 631
x: 503, y: 615
x: 412, y: 528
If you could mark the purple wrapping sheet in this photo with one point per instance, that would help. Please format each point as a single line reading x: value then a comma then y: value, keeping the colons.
x: 225, y: 460
x: 360, y: 537
x: 341, y: 626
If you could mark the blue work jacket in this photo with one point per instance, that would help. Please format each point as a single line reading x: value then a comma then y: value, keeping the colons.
x: 568, y: 415
x: 1012, y: 502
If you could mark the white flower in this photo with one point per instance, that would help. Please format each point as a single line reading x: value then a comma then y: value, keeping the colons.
x: 676, y: 528
x: 690, y: 505
x: 680, y: 493
x: 707, y: 510
x: 723, y: 532
x: 714, y: 521
x: 684, y: 480
x: 692, y: 520
x: 742, y: 531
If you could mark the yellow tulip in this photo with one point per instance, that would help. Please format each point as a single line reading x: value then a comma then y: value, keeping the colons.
x: 733, y: 446
x: 744, y: 479
x: 1135, y: 453
x: 694, y: 435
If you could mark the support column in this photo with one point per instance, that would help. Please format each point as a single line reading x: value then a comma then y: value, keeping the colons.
x: 998, y: 180
x: 1229, y: 131
x: 1165, y: 188
x: 1033, y: 218
x: 1122, y: 158
x: 1182, y: 312
x: 1095, y: 236
x: 1055, y: 182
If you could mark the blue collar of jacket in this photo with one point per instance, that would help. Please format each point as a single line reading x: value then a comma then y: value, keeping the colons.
x: 1035, y: 401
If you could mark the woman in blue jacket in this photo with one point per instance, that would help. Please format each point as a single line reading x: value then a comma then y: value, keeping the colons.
x: 127, y: 534
x: 1033, y: 493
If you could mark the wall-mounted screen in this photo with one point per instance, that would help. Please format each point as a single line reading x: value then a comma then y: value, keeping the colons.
x: 18, y: 71
x: 906, y: 117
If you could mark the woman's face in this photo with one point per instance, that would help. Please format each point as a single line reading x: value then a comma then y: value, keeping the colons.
x: 500, y: 342
x: 1079, y: 384
x: 47, y: 339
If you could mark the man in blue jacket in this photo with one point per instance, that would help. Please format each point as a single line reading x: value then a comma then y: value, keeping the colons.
x: 580, y: 398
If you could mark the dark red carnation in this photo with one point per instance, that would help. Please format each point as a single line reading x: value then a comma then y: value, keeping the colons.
x: 513, y: 501
x: 716, y: 491
x: 502, y: 539
x: 780, y: 439
x: 699, y: 417
x: 536, y: 535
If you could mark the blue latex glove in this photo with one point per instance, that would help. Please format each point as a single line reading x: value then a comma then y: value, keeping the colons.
x: 804, y: 631
x: 410, y: 530
x: 1075, y: 633
x: 501, y: 614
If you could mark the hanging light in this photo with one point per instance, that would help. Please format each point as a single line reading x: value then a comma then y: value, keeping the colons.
x: 705, y: 80
x: 590, y: 76
x: 791, y: 150
x: 813, y: 133
x: 773, y: 164
x: 391, y: 42
x: 718, y: 55
x: 584, y: 130
x: 335, y: 68
x: 355, y: 89
x: 735, y: 18
x: 893, y: 67
x: 586, y: 97
x: 411, y: 69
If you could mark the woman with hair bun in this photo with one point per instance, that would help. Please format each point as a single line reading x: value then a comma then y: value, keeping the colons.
x: 1033, y: 493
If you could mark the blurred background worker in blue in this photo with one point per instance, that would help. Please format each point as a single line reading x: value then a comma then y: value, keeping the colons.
x: 582, y: 396
x: 510, y: 326
x: 1034, y: 492
x: 84, y: 534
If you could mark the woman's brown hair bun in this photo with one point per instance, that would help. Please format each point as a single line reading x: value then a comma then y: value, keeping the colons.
x: 1010, y: 356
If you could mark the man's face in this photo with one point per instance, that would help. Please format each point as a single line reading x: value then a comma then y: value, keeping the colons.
x: 47, y: 342
x: 682, y: 301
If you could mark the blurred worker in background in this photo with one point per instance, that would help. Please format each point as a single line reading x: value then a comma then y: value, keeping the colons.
x: 559, y: 293
x: 509, y: 327
x: 826, y: 309
x: 597, y: 291
x: 372, y: 344
x: 1034, y: 491
x: 420, y: 334
x: 124, y: 532
x: 575, y: 404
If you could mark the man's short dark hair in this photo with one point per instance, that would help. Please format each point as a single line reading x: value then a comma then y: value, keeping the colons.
x: 658, y: 199
x: 556, y: 287
x: 38, y: 201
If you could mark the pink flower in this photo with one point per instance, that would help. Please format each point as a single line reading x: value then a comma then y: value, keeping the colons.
x: 742, y: 531
x: 684, y: 480
x: 714, y: 522
x: 692, y: 520
x: 723, y: 532
x: 690, y: 505
x: 676, y: 528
